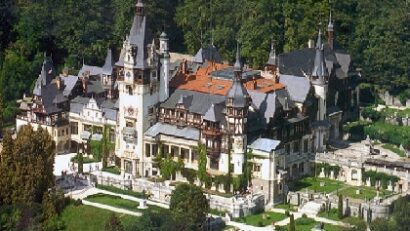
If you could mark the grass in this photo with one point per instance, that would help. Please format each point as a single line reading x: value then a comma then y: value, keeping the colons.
x: 394, y: 149
x: 112, y: 169
x: 88, y: 218
x: 114, y: 201
x: 121, y: 191
x: 286, y: 206
x: 313, y: 184
x: 262, y: 219
x: 333, y: 215
x: 365, y: 192
x: 306, y: 224
x: 391, y: 111
x: 217, y: 212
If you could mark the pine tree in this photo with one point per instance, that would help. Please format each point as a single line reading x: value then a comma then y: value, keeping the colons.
x: 6, y: 169
x: 292, y: 223
x: 340, y: 207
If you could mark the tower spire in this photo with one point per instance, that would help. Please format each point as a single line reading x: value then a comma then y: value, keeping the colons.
x: 319, y: 69
x: 139, y: 7
x: 330, y: 30
x: 238, y: 65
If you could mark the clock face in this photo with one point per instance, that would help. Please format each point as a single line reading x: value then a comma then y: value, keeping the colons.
x: 130, y: 111
x: 128, y: 74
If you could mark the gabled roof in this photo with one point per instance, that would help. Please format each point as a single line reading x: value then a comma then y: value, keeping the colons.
x: 298, y: 87
x: 209, y: 53
x: 214, y: 113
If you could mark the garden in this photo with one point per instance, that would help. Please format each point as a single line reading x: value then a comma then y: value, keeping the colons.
x: 315, y: 184
x: 74, y: 218
x: 262, y: 219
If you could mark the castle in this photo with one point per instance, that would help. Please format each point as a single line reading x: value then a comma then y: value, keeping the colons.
x: 145, y: 105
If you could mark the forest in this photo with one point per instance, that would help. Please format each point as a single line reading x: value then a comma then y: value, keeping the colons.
x: 374, y: 32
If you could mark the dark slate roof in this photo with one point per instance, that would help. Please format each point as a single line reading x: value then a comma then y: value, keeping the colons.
x: 46, y: 75
x: 298, y: 87
x: 172, y: 130
x: 238, y: 94
x: 266, y: 104
x: 319, y: 66
x: 284, y: 99
x: 93, y: 70
x: 70, y: 82
x: 208, y: 53
x: 95, y: 86
x: 301, y: 62
x: 214, y: 113
x: 264, y: 144
x: 200, y: 101
x: 106, y: 106
x: 140, y: 36
x: 48, y: 94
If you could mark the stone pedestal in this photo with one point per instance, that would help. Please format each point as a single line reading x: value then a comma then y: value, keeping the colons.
x: 322, y: 173
x: 143, y: 205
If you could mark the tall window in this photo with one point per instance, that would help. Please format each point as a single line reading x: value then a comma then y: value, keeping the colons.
x: 305, y: 144
x: 214, y: 164
x: 74, y: 128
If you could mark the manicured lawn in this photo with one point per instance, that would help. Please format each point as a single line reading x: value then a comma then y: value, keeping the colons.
x: 306, y: 224
x: 118, y: 202
x: 112, y: 169
x: 286, y: 206
x: 365, y: 192
x: 114, y: 201
x: 88, y: 218
x: 262, y: 219
x: 333, y: 216
x: 121, y: 191
x: 313, y: 184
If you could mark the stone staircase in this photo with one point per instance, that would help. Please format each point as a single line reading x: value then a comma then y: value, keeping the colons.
x: 310, y: 208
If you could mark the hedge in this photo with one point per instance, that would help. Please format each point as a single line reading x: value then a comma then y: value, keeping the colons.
x: 380, y: 176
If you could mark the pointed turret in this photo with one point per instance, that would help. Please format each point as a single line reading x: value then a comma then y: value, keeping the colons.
x: 108, y: 64
x: 319, y: 71
x: 237, y: 95
x: 273, y: 58
x: 330, y: 31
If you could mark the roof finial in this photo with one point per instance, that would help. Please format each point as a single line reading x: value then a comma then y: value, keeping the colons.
x: 330, y: 26
x: 238, y: 65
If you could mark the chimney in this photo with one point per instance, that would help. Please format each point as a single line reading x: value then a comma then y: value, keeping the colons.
x: 184, y: 67
x: 84, y: 82
x: 311, y: 43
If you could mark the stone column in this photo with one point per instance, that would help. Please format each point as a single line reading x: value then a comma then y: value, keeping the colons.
x: 190, y: 156
x: 122, y: 167
x: 134, y: 168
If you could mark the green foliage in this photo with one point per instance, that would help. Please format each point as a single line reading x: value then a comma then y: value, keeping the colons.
x: 96, y: 147
x: 113, y: 223
x: 395, y: 149
x: 327, y: 169
x: 80, y: 162
x: 168, y: 166
x: 356, y: 129
x: 189, y: 202
x: 371, y: 113
x: 189, y: 174
x: 292, y: 223
x: 202, y: 162
x: 340, y: 212
x: 384, y: 178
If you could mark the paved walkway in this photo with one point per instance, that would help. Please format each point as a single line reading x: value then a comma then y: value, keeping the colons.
x: 111, y: 208
x: 81, y: 194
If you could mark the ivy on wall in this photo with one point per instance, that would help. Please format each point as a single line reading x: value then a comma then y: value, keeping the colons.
x: 384, y: 178
x: 327, y: 169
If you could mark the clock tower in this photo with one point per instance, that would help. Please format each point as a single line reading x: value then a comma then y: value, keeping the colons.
x: 138, y: 78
